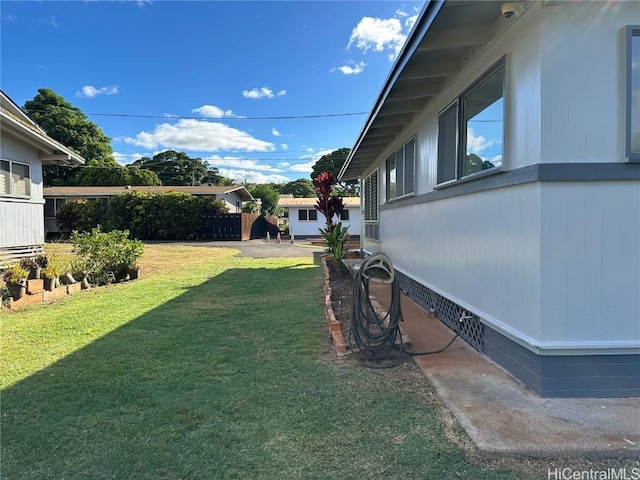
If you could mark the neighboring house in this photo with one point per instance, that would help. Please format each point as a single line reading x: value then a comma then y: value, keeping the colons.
x: 24, y: 149
x: 305, y: 220
x: 500, y: 170
x: 234, y: 196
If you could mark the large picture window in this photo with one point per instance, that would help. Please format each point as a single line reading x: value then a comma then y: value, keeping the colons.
x: 370, y: 188
x: 633, y: 93
x: 400, y: 167
x: 471, y: 129
x: 15, y: 179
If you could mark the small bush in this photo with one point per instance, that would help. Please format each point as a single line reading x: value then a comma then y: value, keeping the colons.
x: 102, y: 255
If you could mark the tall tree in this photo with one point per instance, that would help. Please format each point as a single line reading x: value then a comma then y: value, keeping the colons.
x: 70, y: 126
x: 332, y: 163
x: 212, y: 177
x: 300, y: 188
x: 268, y: 195
x: 175, y: 168
x: 111, y: 175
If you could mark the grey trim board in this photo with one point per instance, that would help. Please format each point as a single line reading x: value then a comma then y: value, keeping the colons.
x: 631, y: 31
x: 541, y: 172
x: 576, y: 376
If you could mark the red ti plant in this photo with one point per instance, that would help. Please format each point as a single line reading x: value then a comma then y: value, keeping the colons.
x: 335, y: 235
x: 328, y: 204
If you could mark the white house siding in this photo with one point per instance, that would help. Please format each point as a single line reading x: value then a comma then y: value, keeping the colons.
x: 509, y: 255
x: 521, y: 47
x: 311, y: 228
x: 584, y: 124
x: 233, y: 201
x: 21, y: 218
x: 481, y: 251
x: 590, y: 243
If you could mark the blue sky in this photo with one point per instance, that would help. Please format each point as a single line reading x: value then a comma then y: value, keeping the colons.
x: 222, y: 65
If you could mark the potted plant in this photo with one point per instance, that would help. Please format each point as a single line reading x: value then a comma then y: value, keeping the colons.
x: 41, y: 262
x: 80, y: 271
x: 51, y: 272
x: 134, y: 271
x: 66, y: 278
x: 131, y: 251
x: 32, y: 268
x: 16, y: 279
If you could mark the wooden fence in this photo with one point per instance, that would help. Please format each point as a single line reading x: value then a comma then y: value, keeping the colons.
x: 235, y: 226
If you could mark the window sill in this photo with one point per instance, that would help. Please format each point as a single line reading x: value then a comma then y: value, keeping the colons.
x: 397, y: 199
x: 470, y: 178
x: 18, y: 198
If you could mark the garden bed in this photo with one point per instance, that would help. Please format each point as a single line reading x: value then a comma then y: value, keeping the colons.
x: 340, y: 296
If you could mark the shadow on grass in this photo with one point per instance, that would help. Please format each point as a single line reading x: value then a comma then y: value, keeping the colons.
x: 135, y: 390
x: 224, y: 381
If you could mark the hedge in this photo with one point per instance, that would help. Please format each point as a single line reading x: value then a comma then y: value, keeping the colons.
x: 148, y: 216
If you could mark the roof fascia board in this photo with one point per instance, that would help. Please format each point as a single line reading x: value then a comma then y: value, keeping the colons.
x: 420, y: 28
x: 18, y: 111
x: 40, y: 140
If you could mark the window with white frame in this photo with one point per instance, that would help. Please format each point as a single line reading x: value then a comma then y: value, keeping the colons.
x: 633, y: 93
x: 471, y: 129
x: 370, y: 188
x: 307, y: 215
x: 344, y: 215
x: 400, y: 168
x: 15, y: 179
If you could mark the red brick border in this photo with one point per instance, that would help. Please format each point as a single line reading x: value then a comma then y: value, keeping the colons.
x: 38, y: 295
x: 334, y: 326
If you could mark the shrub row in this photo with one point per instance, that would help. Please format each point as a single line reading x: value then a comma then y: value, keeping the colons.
x: 149, y: 216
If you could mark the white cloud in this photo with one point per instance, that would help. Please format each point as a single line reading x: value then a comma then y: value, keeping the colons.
x: 477, y: 143
x: 199, y: 136
x: 379, y: 34
x: 305, y: 167
x: 243, y: 163
x: 89, y: 91
x: 275, y: 132
x: 262, y: 92
x: 258, y: 93
x: 401, y: 13
x: 127, y: 158
x: 240, y: 176
x: 8, y: 17
x: 49, y: 21
x: 284, y: 146
x: 351, y: 68
x: 316, y: 155
x: 409, y: 22
x: 211, y: 111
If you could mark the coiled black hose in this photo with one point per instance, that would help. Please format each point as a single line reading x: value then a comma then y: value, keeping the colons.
x: 375, y: 340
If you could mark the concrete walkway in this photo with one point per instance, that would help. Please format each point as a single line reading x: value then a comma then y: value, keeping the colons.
x: 504, y: 417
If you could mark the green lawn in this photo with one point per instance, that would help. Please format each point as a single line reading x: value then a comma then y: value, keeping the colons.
x: 211, y: 366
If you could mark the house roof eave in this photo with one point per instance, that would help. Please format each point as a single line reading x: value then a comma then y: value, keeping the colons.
x: 446, y: 35
x: 423, y: 22
x: 51, y: 151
